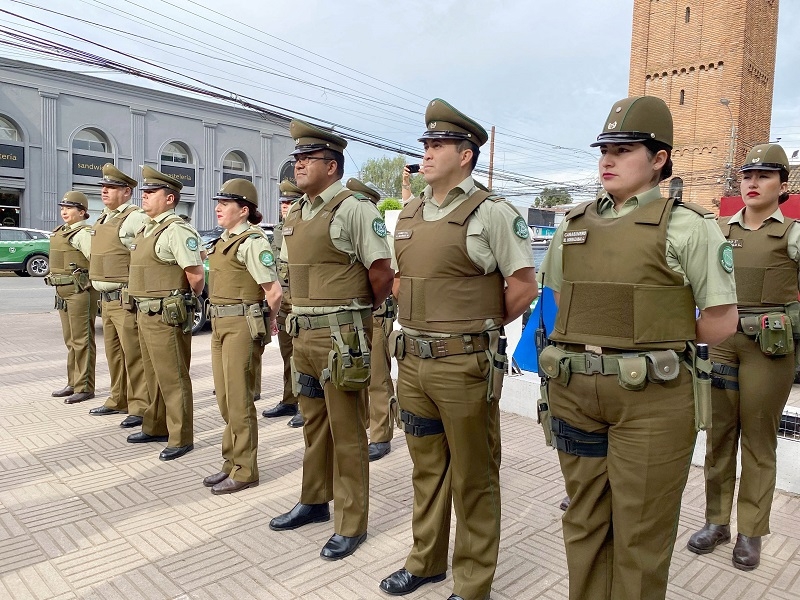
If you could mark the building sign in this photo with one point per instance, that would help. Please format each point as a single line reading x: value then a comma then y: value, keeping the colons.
x: 89, y: 166
x: 12, y: 157
x: 226, y: 175
x: 287, y: 172
x: 182, y: 174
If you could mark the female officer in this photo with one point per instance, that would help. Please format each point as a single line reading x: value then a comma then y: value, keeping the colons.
x: 241, y: 274
x: 76, y: 300
x: 753, y: 370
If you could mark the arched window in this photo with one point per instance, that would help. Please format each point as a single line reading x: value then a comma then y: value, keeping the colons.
x: 91, y: 139
x: 234, y: 161
x: 176, y: 152
x: 683, y: 97
x: 688, y: 14
x: 9, y: 131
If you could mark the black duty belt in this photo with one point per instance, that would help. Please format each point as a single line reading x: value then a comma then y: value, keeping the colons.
x: 425, y: 347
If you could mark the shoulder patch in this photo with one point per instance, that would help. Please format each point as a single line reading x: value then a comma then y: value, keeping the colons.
x: 726, y: 257
x: 267, y: 258
x: 191, y: 243
x: 521, y: 228
x: 379, y: 227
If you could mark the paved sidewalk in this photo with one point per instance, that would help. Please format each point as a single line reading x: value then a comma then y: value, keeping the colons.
x: 83, y: 514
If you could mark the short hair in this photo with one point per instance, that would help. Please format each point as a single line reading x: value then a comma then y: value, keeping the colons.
x: 339, y: 158
x: 653, y: 148
x: 462, y: 145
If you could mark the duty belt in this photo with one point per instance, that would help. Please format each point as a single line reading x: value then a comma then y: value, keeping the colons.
x: 344, y: 317
x: 425, y: 347
x: 228, y: 310
x: 587, y: 363
x: 55, y: 280
x: 111, y: 296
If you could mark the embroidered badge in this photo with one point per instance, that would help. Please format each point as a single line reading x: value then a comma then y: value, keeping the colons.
x: 737, y: 243
x: 191, y: 243
x: 521, y: 228
x: 575, y: 237
x: 266, y: 258
x: 402, y: 235
x: 379, y: 227
x: 726, y: 257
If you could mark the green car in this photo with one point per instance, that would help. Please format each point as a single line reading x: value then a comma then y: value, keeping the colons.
x: 24, y: 251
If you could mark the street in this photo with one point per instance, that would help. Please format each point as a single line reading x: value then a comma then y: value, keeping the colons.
x: 24, y: 295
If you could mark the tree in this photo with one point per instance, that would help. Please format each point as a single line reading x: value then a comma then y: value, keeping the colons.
x: 552, y: 196
x: 386, y: 174
x: 389, y: 204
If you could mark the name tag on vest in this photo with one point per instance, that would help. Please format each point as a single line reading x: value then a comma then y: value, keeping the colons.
x: 737, y: 243
x: 288, y: 230
x: 402, y: 235
x: 575, y: 237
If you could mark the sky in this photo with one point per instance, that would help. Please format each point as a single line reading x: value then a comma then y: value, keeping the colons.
x: 544, y: 73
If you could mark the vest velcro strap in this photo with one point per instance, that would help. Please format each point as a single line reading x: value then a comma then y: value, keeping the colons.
x: 419, y: 426
x: 571, y: 440
x: 440, y: 347
x: 343, y: 317
x: 228, y: 310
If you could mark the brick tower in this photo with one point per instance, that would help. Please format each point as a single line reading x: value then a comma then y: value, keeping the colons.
x: 694, y: 53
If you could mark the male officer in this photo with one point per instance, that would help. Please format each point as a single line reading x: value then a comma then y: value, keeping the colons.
x: 112, y: 236
x: 166, y: 267
x: 339, y: 269
x: 465, y: 268
x: 288, y: 404
x: 628, y: 270
x: 382, y: 401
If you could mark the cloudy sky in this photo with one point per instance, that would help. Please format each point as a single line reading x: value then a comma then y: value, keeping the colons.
x: 544, y: 73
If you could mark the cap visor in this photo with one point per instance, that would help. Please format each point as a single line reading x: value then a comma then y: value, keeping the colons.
x: 618, y: 138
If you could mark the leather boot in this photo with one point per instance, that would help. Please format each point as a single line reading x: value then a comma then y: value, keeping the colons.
x: 747, y: 552
x: 708, y: 538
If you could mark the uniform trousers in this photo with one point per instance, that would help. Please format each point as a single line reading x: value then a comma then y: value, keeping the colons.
x: 381, y: 387
x: 77, y: 327
x: 752, y: 413
x: 234, y: 356
x: 459, y: 467
x: 166, y: 354
x: 124, y: 356
x: 285, y: 345
x: 621, y: 524
x: 336, y: 458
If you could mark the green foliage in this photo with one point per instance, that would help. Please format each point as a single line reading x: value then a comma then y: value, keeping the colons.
x: 552, y: 196
x: 386, y: 174
x: 389, y: 204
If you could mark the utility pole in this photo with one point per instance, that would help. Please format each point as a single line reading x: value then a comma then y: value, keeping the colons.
x: 729, y: 187
x: 491, y: 157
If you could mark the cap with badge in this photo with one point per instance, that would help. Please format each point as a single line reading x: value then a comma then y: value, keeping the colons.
x: 112, y: 176
x: 637, y: 119
x: 238, y: 189
x: 444, y: 122
x: 310, y: 138
x: 766, y: 157
x: 156, y: 180
x: 363, y: 190
x: 75, y: 200
x: 289, y: 191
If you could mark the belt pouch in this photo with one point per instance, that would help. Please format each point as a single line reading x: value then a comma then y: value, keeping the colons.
x: 348, y: 364
x: 632, y: 372
x: 125, y: 300
x: 255, y: 322
x: 662, y: 365
x: 775, y: 337
x: 397, y: 344
x: 556, y: 364
x: 173, y: 311
x: 543, y: 416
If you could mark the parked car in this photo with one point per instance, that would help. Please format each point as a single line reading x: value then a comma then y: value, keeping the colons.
x: 25, y: 251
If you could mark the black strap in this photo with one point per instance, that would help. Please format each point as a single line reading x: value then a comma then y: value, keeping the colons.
x: 571, y: 440
x: 724, y: 369
x: 420, y: 426
x: 309, y: 386
x: 724, y: 384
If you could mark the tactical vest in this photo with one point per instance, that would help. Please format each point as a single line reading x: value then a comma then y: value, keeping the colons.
x: 617, y: 290
x: 229, y: 281
x: 765, y: 275
x: 319, y: 273
x: 62, y: 253
x: 150, y: 276
x: 111, y: 259
x: 441, y: 289
x: 282, y: 267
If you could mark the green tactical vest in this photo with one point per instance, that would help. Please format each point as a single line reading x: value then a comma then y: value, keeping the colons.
x: 765, y: 275
x: 617, y: 290
x: 229, y: 281
x: 111, y: 259
x: 450, y: 294
x: 282, y: 267
x: 319, y: 273
x: 150, y: 276
x: 62, y: 253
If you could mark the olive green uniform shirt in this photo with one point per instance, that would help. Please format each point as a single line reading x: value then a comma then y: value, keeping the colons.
x: 254, y: 253
x: 352, y: 231
x: 694, y: 246
x: 132, y: 224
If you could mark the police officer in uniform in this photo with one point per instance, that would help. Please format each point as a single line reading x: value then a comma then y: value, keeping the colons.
x: 752, y: 376
x: 166, y: 267
x: 112, y: 236
x: 339, y: 269
x: 288, y: 404
x: 628, y: 270
x: 76, y: 299
x: 382, y: 401
x: 241, y: 275
x: 464, y: 268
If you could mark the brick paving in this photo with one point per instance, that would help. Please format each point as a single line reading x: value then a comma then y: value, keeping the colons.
x: 83, y: 514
